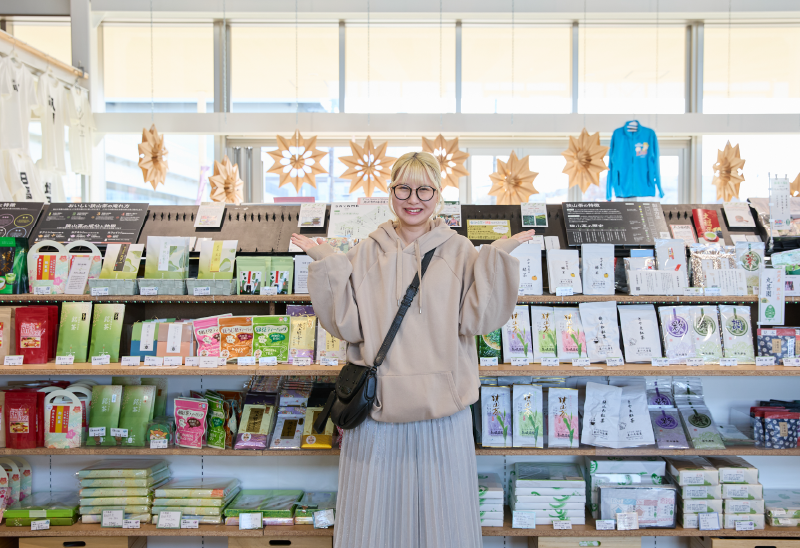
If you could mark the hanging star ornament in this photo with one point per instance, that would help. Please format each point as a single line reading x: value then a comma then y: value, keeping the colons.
x: 585, y: 160
x: 368, y: 168
x: 727, y: 176
x: 794, y: 188
x: 226, y: 186
x: 153, y: 157
x: 512, y: 183
x: 297, y: 161
x: 449, y: 157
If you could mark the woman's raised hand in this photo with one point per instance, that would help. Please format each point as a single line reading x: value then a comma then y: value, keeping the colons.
x: 304, y: 242
x: 523, y: 237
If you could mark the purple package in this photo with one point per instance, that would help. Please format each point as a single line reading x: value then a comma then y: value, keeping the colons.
x: 299, y: 310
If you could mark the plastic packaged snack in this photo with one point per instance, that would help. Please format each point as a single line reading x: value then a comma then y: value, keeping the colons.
x: 655, y: 505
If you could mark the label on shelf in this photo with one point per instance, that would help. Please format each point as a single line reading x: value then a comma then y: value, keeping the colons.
x: 209, y: 362
x: 251, y: 520
x: 659, y: 362
x: 564, y: 292
x: 268, y: 360
x: 548, y: 362
x: 130, y: 360
x: 112, y: 518
x: 99, y: 291
x: 791, y: 362
x: 158, y: 444
x: 148, y: 290
x: 202, y: 291
x: 12, y: 360
x: 708, y: 521
x: 193, y: 361
x: 627, y: 521
x: 65, y: 360
x: 42, y: 290
x: 523, y: 519
x: 562, y: 524
x: 765, y: 360
x: 301, y: 361
x: 614, y: 362
x: 40, y: 525
x: 731, y: 476
x: 334, y: 362
x: 744, y: 525
x: 519, y: 361
x: 172, y: 361
x: 693, y: 478
x: 154, y: 361
x: 728, y: 362
x: 97, y: 431
x: 580, y: 362
x: 101, y: 360
x: 713, y: 292
x: 692, y: 291
x: 605, y: 524
x: 188, y: 523
x: 169, y: 520
x: 695, y: 362
x: 119, y: 432
x: 488, y: 361
x: 246, y: 360
x: 130, y: 524
x: 269, y: 290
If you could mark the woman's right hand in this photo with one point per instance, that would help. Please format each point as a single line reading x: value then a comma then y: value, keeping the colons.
x: 305, y: 243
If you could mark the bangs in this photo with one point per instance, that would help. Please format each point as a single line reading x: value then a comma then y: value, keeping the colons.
x: 417, y: 172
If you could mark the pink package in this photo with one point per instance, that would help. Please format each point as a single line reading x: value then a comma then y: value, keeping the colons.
x: 190, y: 422
x: 206, y: 331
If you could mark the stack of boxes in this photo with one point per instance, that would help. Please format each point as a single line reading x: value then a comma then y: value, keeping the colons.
x: 742, y: 495
x: 783, y: 507
x: 698, y: 483
x: 490, y: 497
x: 555, y: 491
x: 203, y: 499
x: 642, y: 471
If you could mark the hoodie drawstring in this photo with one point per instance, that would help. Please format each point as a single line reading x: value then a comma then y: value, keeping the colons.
x: 399, y: 273
x: 419, y: 272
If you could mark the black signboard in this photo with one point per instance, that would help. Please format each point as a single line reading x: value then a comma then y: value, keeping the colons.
x: 99, y: 223
x: 618, y: 223
x: 17, y: 219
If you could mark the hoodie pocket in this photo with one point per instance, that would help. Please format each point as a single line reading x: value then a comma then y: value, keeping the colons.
x: 411, y: 398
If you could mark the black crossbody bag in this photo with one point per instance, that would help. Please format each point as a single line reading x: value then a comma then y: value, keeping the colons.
x: 350, y: 403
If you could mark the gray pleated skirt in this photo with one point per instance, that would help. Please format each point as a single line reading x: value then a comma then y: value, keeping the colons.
x: 409, y: 485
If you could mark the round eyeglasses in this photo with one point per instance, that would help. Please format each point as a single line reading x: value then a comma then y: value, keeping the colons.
x: 403, y: 192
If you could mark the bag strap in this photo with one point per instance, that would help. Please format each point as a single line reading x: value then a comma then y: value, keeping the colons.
x: 411, y: 292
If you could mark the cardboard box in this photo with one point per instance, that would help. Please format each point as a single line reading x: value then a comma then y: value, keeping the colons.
x: 701, y: 492
x: 734, y: 470
x: 729, y: 520
x: 692, y: 471
x: 743, y: 506
x: 748, y: 491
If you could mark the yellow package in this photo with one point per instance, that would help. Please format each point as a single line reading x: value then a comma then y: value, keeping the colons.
x: 312, y: 440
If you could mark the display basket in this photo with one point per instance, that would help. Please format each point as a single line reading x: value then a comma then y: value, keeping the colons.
x: 215, y: 287
x: 164, y: 286
x: 116, y: 287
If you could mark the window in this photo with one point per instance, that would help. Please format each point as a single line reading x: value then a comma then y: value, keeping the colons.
x: 54, y: 39
x: 190, y: 158
x: 541, y: 70
x: 550, y: 181
x: 625, y: 70
x: 759, y: 70
x: 400, y: 69
x: 265, y: 66
x: 183, y: 68
x: 670, y: 164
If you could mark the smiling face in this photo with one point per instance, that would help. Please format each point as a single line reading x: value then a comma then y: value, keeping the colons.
x: 413, y: 212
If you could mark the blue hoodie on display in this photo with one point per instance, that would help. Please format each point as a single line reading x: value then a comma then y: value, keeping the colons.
x: 633, y: 163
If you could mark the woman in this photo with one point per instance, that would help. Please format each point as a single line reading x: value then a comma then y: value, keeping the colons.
x: 407, y: 475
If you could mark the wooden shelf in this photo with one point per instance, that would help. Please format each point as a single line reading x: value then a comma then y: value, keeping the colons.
x: 635, y: 452
x: 147, y: 529
x: 51, y: 369
x: 183, y: 451
x: 637, y: 370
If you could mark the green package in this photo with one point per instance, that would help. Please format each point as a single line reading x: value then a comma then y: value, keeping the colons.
x: 216, y: 420
x: 58, y: 504
x: 216, y: 259
x: 274, y: 503
x: 73, y: 331
x: 490, y: 346
x: 251, y: 275
x: 106, y: 401
x: 161, y: 383
x: 167, y: 258
x: 116, y: 501
x: 107, y: 331
x: 218, y: 488
x: 130, y: 509
x: 124, y: 468
x: 281, y: 274
x: 13, y: 266
x: 121, y: 261
x: 136, y: 412
x: 194, y: 510
x: 155, y: 480
x: 26, y: 522
x: 271, y: 337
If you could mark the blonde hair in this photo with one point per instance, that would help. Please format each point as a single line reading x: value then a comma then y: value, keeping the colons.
x: 421, y: 168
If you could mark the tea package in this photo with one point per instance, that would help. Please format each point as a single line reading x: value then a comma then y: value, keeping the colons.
x: 528, y: 418
x: 598, y: 269
x: 737, y: 334
x: 48, y: 268
x: 281, y: 274
x: 490, y: 346
x: 138, y: 404
x: 705, y: 333
x: 671, y: 255
x: 255, y: 427
x: 288, y: 428
x: 160, y: 405
x: 639, y: 327
x: 73, y: 333
x: 94, y: 255
x: 517, y: 335
x: 271, y: 337
x: 667, y: 429
x: 562, y: 418
x: 167, y: 257
x: 569, y: 334
x: 311, y: 438
x: 190, y: 422
x: 659, y: 392
x: 329, y: 347
x: 13, y: 266
x: 175, y: 340
x: 106, y: 401
x: 143, y: 338
x: 750, y: 258
x: 217, y: 418
x: 599, y: 321
x: 703, y: 258
x: 496, y: 429
x: 251, y: 275
x: 217, y: 259
x: 530, y: 268
x: 236, y: 337
x: 301, y: 337
x: 779, y: 343
x: 543, y: 331
x: 7, y: 335
x: 121, y: 261
x: 635, y: 429
x: 563, y: 270
x: 107, y: 330
x: 678, y: 342
x: 33, y: 333
x: 19, y: 414
x: 701, y: 428
x: 62, y: 420
x: 601, y: 415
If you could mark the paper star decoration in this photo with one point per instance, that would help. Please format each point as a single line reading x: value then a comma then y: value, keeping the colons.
x: 297, y: 161
x: 727, y: 176
x: 512, y: 183
x: 368, y: 168
x: 794, y: 188
x: 153, y: 157
x: 585, y: 160
x: 226, y: 186
x: 449, y: 157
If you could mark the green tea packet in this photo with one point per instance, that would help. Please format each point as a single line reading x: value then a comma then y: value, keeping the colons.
x: 161, y: 383
x: 251, y: 275
x: 106, y: 401
x: 107, y: 330
x: 490, y: 346
x: 217, y: 259
x: 136, y: 413
x: 216, y: 419
x: 281, y: 274
x: 167, y: 257
x: 13, y: 265
x: 121, y: 261
x: 73, y: 331
x: 271, y: 337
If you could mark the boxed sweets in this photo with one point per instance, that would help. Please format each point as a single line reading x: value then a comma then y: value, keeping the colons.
x: 779, y: 343
x: 729, y: 520
x: 208, y: 488
x: 534, y: 474
x: 701, y: 506
x: 124, y: 469
x: 700, y: 492
x: 58, y: 507
x: 692, y: 471
x: 734, y: 491
x: 277, y: 506
x: 655, y: 505
x: 734, y: 470
x: 127, y: 482
x: 490, y: 488
x: 311, y: 502
x: 782, y: 504
x: 731, y: 506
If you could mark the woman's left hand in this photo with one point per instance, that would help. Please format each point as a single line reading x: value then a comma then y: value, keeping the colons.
x: 523, y: 237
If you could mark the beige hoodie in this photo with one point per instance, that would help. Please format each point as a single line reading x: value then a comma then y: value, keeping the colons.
x: 431, y: 370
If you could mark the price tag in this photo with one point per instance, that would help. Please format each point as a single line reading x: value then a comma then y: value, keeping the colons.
x: 564, y: 292
x: 580, y: 362
x: 251, y: 520
x: 169, y: 520
x: 172, y: 361
x: 523, y: 519
x: 188, y: 523
x: 130, y: 524
x: 708, y: 521
x: 791, y: 362
x: 153, y: 361
x: 659, y: 362
x: 519, y: 361
x: 99, y: 291
x: 65, y: 360
x: 329, y: 361
x: 40, y: 525
x: 192, y: 361
x: 158, y: 444
x: 695, y: 362
x: 765, y: 360
x: 562, y: 524
x: 614, y: 362
x: 692, y: 291
x: 148, y: 290
x: 269, y: 290
x: 713, y: 292
x: 119, y: 432
x: 627, y: 521
x: 246, y: 360
x: 202, y: 290
x: 745, y: 525
x: 42, y: 290
x: 130, y: 361
x: 268, y: 360
x: 101, y: 360
x: 12, y: 360
x: 728, y: 362
x: 98, y: 431
x: 488, y: 361
x: 605, y: 524
x: 549, y: 362
x: 112, y: 518
x: 209, y: 362
x: 301, y: 361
